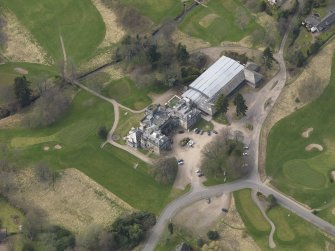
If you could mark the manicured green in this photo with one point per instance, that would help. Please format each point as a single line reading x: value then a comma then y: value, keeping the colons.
x: 10, y: 217
x: 250, y: 212
x: 298, y: 173
x: 292, y: 232
x: 295, y: 169
x: 220, y: 26
x: 77, y: 134
x: 79, y: 22
x: 157, y: 11
x: 126, y: 92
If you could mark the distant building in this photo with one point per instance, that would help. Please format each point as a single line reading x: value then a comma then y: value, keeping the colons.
x: 314, y: 23
x: 159, y: 122
x: 223, y: 77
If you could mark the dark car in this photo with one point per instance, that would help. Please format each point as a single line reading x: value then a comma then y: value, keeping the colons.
x: 197, y: 131
x: 209, y: 133
x: 215, y: 132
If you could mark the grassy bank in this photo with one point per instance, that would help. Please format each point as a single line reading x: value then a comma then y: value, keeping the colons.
x: 76, y: 133
x: 305, y: 175
x: 79, y: 22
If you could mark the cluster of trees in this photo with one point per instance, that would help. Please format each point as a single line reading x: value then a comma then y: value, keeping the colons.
x: 222, y: 158
x: 165, y: 170
x: 130, y: 230
x: 48, y: 108
x: 213, y: 235
x: 222, y: 105
x: 158, y: 60
x: 103, y: 132
x: 242, y: 58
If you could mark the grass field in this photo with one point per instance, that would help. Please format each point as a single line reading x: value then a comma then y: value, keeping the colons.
x: 157, y: 11
x: 127, y: 93
x: 77, y: 134
x: 10, y: 217
x: 79, y: 22
x: 8, y: 74
x: 217, y: 22
x: 126, y: 122
x: 292, y: 232
x: 301, y: 174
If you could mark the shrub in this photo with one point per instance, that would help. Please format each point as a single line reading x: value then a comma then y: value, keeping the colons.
x: 213, y: 235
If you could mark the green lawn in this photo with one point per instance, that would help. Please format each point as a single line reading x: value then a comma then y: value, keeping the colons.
x: 126, y: 122
x: 77, y: 134
x: 217, y: 22
x: 79, y: 22
x: 157, y: 11
x: 301, y: 174
x: 126, y: 92
x: 10, y: 217
x: 292, y: 232
x: 203, y: 125
x: 8, y: 74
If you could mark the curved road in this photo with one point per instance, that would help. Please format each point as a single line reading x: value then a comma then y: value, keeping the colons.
x: 256, y: 114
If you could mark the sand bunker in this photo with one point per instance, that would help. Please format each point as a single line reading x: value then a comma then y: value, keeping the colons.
x: 58, y: 147
x: 21, y: 70
x: 307, y: 132
x: 310, y: 147
x: 46, y: 148
x: 333, y: 175
x: 208, y: 20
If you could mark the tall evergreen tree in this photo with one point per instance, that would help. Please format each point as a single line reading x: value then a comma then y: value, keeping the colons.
x: 241, y: 107
x: 22, y: 91
x: 222, y: 104
x: 182, y: 53
x: 268, y: 57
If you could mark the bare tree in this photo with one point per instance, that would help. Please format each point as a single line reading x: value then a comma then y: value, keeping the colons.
x: 241, y: 18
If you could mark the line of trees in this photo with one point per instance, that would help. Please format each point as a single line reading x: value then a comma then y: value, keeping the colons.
x: 222, y: 105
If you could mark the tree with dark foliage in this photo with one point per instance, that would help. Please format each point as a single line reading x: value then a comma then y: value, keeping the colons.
x: 241, y: 107
x: 22, y: 91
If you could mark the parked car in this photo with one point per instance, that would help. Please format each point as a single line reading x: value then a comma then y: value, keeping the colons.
x: 181, y: 132
x: 181, y: 162
x: 198, y: 171
x: 225, y: 210
x: 209, y: 133
x: 245, y: 154
x: 246, y: 147
x: 201, y: 132
x: 215, y: 132
x: 200, y: 174
x: 197, y: 131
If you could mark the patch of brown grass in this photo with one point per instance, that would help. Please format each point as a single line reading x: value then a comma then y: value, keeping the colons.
x: 190, y: 42
x: 74, y: 201
x: 21, y: 45
x: 114, y: 31
x: 208, y: 20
